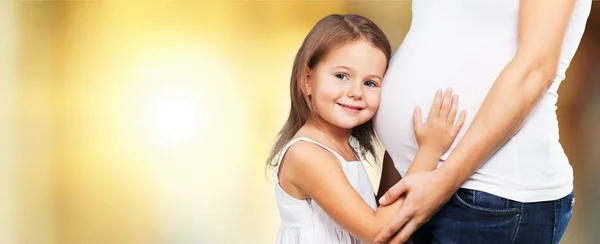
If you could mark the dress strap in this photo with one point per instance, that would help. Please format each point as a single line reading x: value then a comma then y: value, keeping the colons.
x: 291, y: 142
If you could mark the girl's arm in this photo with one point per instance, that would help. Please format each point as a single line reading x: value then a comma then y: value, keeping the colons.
x: 318, y: 173
x: 441, y: 119
x: 443, y: 110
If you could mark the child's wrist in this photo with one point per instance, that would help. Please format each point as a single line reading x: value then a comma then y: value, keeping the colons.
x: 431, y: 151
x: 428, y: 155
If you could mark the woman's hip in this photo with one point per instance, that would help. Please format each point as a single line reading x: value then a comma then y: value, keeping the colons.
x: 472, y: 216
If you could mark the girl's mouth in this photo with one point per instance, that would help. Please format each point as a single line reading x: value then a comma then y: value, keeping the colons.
x: 351, y: 109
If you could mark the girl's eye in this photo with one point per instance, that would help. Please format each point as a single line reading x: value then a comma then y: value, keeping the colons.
x: 370, y: 83
x: 342, y: 76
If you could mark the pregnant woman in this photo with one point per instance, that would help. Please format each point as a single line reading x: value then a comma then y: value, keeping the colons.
x: 506, y: 178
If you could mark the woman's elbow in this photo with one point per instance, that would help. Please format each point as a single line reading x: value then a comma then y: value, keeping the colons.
x: 540, y: 69
x: 542, y: 77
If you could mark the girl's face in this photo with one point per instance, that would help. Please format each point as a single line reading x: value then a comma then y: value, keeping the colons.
x: 345, y: 87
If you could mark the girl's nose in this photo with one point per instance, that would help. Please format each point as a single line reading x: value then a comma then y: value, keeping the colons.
x: 355, y: 90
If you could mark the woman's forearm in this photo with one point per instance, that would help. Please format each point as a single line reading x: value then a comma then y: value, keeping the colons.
x: 517, y: 90
x: 511, y: 99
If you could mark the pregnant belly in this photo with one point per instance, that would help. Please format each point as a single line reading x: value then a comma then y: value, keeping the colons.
x: 414, y: 75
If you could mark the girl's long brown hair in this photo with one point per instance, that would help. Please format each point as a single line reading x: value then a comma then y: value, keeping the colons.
x: 329, y: 33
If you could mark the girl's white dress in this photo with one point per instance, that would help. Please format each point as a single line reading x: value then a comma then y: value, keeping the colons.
x: 303, y: 221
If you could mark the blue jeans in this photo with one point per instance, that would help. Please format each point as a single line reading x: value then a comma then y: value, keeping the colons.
x: 477, y: 217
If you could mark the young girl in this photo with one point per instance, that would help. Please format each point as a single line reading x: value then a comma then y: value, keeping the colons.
x: 323, y: 191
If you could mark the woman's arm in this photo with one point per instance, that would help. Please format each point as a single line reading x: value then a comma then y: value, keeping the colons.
x: 518, y: 88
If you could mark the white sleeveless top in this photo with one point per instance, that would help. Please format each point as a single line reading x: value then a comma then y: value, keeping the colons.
x: 303, y: 221
x: 465, y: 44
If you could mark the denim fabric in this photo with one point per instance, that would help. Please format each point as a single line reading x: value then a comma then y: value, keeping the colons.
x: 472, y: 216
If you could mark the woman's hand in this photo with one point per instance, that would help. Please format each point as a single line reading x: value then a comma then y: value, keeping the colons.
x: 438, y: 133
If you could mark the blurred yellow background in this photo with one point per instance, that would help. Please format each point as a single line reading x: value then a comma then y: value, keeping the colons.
x: 149, y: 121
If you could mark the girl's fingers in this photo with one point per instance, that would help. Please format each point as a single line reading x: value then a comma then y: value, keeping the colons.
x: 437, y: 102
x: 445, y: 107
x: 461, y: 121
x: 417, y: 121
x: 453, y: 110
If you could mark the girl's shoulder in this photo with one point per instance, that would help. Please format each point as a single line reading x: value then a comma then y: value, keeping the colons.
x: 306, y: 160
x: 303, y: 154
x: 303, y: 150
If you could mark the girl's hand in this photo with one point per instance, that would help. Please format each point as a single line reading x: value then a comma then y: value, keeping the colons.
x: 438, y: 133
